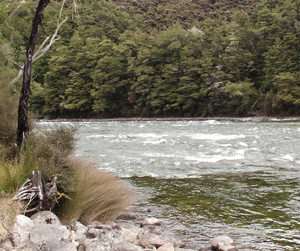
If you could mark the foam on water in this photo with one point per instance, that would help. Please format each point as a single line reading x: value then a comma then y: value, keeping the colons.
x: 216, y: 136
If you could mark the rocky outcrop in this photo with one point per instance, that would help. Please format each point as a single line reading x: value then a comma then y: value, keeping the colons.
x: 44, y: 231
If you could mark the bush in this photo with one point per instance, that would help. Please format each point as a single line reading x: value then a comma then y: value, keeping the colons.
x: 97, y: 195
x: 52, y: 147
x: 8, y: 115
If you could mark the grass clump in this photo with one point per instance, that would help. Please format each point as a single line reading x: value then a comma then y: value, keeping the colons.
x: 97, y: 195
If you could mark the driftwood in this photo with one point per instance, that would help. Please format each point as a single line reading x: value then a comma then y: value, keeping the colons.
x: 33, y: 191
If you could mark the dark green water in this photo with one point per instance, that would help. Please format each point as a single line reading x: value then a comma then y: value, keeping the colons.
x: 260, y: 212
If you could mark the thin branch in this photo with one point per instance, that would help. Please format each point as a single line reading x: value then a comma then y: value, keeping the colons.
x: 12, y: 61
x: 41, y: 51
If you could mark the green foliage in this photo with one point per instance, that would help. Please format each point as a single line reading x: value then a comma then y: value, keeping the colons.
x: 3, y: 13
x: 109, y: 64
x: 14, y: 173
x: 288, y: 91
x: 8, y: 114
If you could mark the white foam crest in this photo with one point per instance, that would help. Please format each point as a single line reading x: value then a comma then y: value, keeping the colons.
x: 215, y: 158
x: 288, y: 157
x: 243, y: 144
x: 155, y: 142
x: 100, y: 136
x: 216, y: 136
x: 158, y: 155
x: 211, y: 121
x: 149, y: 135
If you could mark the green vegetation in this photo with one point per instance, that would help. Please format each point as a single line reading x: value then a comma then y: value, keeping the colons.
x: 88, y: 193
x: 241, y: 60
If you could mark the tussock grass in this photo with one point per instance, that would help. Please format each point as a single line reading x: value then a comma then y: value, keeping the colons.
x: 13, y: 173
x: 98, y: 195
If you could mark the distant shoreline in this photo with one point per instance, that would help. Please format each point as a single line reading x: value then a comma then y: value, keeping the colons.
x: 256, y: 118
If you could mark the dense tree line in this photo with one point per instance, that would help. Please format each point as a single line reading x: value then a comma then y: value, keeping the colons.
x: 108, y: 62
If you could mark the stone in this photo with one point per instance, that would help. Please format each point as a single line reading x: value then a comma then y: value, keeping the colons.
x: 94, y: 245
x: 129, y: 236
x: 21, y: 229
x: 80, y: 231
x: 127, y: 216
x: 51, y: 237
x: 125, y: 246
x: 156, y: 236
x: 45, y: 217
x: 223, y: 243
x: 108, y: 234
x: 166, y: 247
x: 151, y: 221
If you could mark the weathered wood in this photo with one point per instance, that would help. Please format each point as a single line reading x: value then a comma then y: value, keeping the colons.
x: 33, y: 191
x: 48, y: 201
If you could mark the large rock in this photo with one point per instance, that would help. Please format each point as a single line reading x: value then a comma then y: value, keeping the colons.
x: 45, y: 217
x: 51, y: 237
x: 43, y: 232
x: 156, y: 236
x: 21, y: 230
x: 223, y: 243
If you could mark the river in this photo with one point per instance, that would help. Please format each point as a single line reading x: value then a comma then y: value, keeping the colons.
x: 205, y: 178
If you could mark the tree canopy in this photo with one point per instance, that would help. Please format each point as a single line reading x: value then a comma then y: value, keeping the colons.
x: 109, y: 63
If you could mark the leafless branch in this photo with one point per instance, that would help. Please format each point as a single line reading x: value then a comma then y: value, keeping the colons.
x: 41, y: 51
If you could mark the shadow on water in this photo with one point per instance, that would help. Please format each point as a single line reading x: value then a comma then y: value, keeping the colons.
x: 264, y: 207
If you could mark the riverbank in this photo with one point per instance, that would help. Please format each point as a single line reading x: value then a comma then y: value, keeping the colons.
x: 44, y: 231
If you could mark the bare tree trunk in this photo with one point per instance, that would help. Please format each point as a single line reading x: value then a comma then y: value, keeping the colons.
x: 23, y: 128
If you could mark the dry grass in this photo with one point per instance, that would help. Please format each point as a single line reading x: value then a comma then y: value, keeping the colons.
x: 98, y: 195
x: 9, y: 209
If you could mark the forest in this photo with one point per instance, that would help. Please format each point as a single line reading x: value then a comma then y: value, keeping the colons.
x: 157, y: 59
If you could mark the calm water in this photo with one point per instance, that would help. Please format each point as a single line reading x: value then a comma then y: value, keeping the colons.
x: 206, y: 178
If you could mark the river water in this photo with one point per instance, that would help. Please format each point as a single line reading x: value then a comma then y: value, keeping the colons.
x: 205, y: 178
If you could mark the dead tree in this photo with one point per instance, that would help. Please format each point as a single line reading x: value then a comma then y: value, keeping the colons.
x: 23, y: 128
x: 38, y: 197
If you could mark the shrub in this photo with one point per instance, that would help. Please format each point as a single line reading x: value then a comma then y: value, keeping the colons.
x: 97, y: 195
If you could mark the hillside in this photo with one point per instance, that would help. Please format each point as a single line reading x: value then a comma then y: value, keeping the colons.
x: 142, y: 59
x: 160, y: 14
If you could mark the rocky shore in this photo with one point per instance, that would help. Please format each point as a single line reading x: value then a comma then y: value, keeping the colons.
x: 44, y: 231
